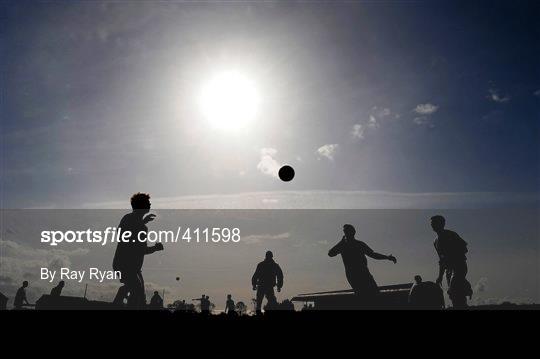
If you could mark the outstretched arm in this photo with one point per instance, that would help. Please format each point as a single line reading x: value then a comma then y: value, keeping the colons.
x: 372, y: 254
x: 379, y: 256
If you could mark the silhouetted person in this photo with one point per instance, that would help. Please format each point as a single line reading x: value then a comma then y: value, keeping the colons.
x: 57, y: 291
x: 230, y: 308
x: 205, y: 304
x: 156, y: 301
x: 267, y: 275
x: 3, y: 301
x: 426, y: 295
x: 451, y: 249
x: 20, y: 296
x: 354, y: 252
x: 129, y: 255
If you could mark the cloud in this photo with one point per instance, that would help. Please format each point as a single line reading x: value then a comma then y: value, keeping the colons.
x: 424, y: 121
x: 372, y: 123
x: 358, y: 131
x: 328, y: 151
x: 495, y: 96
x: 258, y: 238
x: 426, y: 109
x: 537, y: 93
x: 481, y: 285
x: 267, y: 164
x: 381, y: 112
x: 20, y: 262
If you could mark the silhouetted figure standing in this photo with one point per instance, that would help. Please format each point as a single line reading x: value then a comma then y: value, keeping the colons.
x: 267, y: 275
x: 20, y: 296
x: 451, y: 249
x: 156, y: 302
x: 205, y: 304
x: 57, y: 291
x: 426, y: 295
x: 354, y: 254
x: 230, y: 308
x: 3, y: 301
x: 129, y: 255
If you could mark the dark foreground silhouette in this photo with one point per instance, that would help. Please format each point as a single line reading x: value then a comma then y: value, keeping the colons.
x: 365, y: 293
x: 354, y: 252
x: 268, y: 275
x: 129, y: 255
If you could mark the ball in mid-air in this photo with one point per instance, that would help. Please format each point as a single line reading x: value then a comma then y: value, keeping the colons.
x: 286, y: 173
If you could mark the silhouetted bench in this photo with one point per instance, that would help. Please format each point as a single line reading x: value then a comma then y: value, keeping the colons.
x: 391, y: 297
x: 48, y: 302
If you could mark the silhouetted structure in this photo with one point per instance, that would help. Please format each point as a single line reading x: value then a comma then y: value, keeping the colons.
x: 57, y: 291
x: 268, y: 274
x: 452, y: 249
x: 51, y: 302
x: 129, y: 255
x: 426, y: 295
x: 389, y: 297
x: 156, y: 302
x: 20, y: 296
x: 354, y: 252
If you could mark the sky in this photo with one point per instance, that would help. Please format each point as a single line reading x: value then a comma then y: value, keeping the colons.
x: 376, y: 105
x: 100, y: 99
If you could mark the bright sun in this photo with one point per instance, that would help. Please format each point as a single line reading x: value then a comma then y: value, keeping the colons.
x: 229, y: 101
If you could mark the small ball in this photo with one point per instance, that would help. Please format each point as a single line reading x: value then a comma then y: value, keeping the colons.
x: 286, y: 173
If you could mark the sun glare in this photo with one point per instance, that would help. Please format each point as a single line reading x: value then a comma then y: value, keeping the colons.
x: 229, y: 101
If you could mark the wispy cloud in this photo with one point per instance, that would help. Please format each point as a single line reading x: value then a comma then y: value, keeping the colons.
x: 495, y: 96
x: 267, y: 164
x: 328, y: 151
x: 426, y: 109
x: 258, y: 238
x: 424, y: 121
x: 358, y: 131
x: 537, y: 93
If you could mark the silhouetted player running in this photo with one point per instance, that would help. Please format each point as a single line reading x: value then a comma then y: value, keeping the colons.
x: 129, y: 255
x: 354, y: 254
x: 451, y: 249
x: 267, y: 275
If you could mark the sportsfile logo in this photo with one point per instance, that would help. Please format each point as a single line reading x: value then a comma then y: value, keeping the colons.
x: 117, y: 235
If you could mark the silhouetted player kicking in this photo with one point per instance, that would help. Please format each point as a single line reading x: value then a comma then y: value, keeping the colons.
x: 129, y: 255
x: 354, y: 254
x: 267, y: 275
x: 451, y: 249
